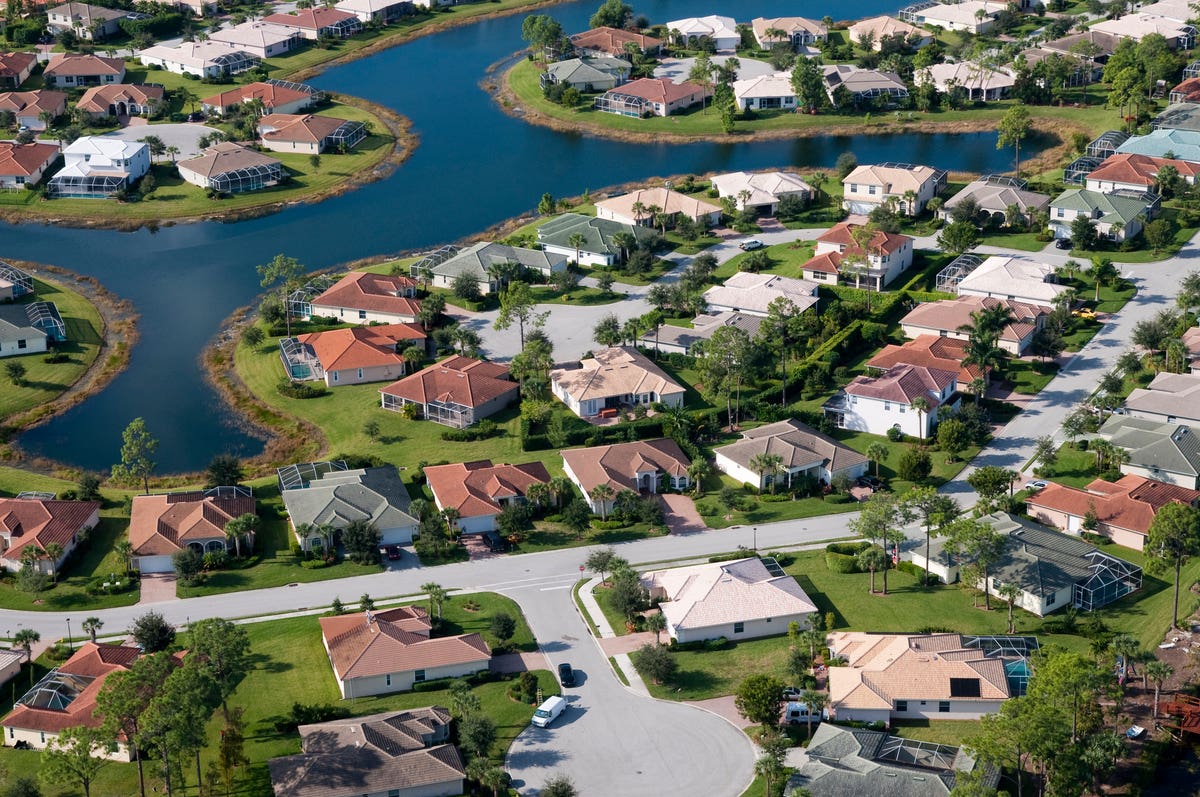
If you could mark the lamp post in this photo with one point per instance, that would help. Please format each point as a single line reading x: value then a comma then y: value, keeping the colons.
x: 70, y: 641
x: 756, y: 539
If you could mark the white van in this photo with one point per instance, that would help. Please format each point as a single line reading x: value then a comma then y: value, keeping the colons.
x: 547, y: 712
x: 796, y: 713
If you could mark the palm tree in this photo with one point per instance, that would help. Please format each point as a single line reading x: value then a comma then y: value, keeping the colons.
x: 654, y: 211
x: 874, y: 558
x: 656, y: 623
x: 538, y: 494
x: 25, y: 639
x: 815, y: 702
x: 451, y: 516
x: 978, y: 388
x: 1129, y: 649
x: 877, y: 452
x: 576, y: 240
x: 910, y: 202
x: 31, y: 555
x: 172, y: 151
x: 437, y: 596
x: 697, y: 472
x: 1158, y: 672
x: 54, y: 552
x: 560, y: 488
x: 921, y: 405
x: 124, y: 551
x: 639, y: 210
x: 1104, y: 273
x: 91, y: 625
x: 1010, y: 592
x: 602, y: 494
x: 626, y: 241
x: 984, y: 354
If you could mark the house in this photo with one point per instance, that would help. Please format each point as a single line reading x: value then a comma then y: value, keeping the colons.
x: 326, y: 495
x: 1190, y: 341
x: 92, y: 23
x: 1183, y: 116
x: 15, y: 69
x: 805, y: 454
x: 36, y: 523
x: 598, y: 247
x: 268, y: 98
x: 589, y: 74
x: 765, y: 92
x: 309, y: 133
x: 10, y: 664
x: 722, y: 30
x: 229, y: 168
x: 613, y: 41
x: 766, y: 189
x: 843, y: 761
x: 861, y: 85
x: 972, y: 16
x: 162, y: 525
x: 1171, y: 398
x: 121, y: 99
x: 946, y: 317
x: 909, y: 186
x: 365, y: 298
x: 27, y: 107
x: 1188, y: 91
x: 1051, y: 570
x: 650, y: 465
x: 381, y: 11
x: 1179, y: 35
x: 682, y: 340
x: 14, y: 283
x: 981, y: 82
x: 734, y: 600
x: 260, y: 39
x: 624, y: 209
x: 651, y: 96
x: 917, y: 676
x: 615, y: 377
x: 1014, y: 279
x: 929, y: 351
x: 99, y: 166
x: 874, y: 30
x: 1136, y: 173
x: 198, y: 8
x: 875, y: 404
x: 1174, y: 9
x: 22, y: 165
x: 403, y: 753
x: 1124, y: 509
x: 28, y: 328
x: 69, y: 70
x: 378, y: 653
x: 837, y: 252
x: 797, y: 31
x: 353, y: 356
x: 203, y: 59
x: 479, y: 490
x: 1165, y: 452
x: 481, y: 259
x: 1180, y: 144
x: 752, y: 294
x: 65, y: 698
x: 995, y: 194
x: 318, y: 23
x: 1116, y: 217
x: 455, y: 392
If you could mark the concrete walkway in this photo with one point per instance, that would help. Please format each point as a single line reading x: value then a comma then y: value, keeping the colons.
x: 519, y: 662
x: 593, y: 609
x: 611, y: 645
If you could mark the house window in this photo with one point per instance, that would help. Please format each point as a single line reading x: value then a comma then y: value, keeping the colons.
x: 393, y: 793
x: 418, y: 676
x: 1060, y: 213
x: 943, y: 706
x: 362, y: 314
x: 903, y: 409
x: 387, y: 679
x: 335, y: 376
x: 901, y: 706
x: 871, y: 190
x: 853, y: 188
x: 739, y: 628
x: 22, y: 344
x: 887, y: 406
x: 1052, y: 598
x: 43, y: 737
x: 360, y: 373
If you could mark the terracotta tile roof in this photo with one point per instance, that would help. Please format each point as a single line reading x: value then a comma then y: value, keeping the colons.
x: 612, y: 40
x: 708, y: 595
x: 98, y: 98
x: 298, y: 127
x: 473, y: 488
x: 828, y: 263
x: 618, y: 465
x: 366, y: 644
x: 270, y: 94
x: 1129, y: 503
x: 1127, y: 167
x: 798, y: 445
x: 381, y: 293
x: 310, y: 18
x: 950, y: 314
x: 929, y: 351
x: 459, y: 380
x: 13, y: 64
x: 361, y: 347
x: 164, y: 524
x: 615, y: 371
x: 661, y: 90
x: 91, y: 661
x: 902, y: 384
x: 81, y: 65
x: 25, y: 159
x: 30, y: 521
x: 33, y: 102
x: 1188, y: 90
x: 881, y: 242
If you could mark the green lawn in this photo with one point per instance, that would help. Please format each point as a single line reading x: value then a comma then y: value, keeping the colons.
x: 94, y: 558
x: 1144, y: 254
x: 1073, y: 467
x: 616, y: 620
x: 1025, y: 241
x: 706, y: 674
x: 786, y: 260
x: 1031, y: 377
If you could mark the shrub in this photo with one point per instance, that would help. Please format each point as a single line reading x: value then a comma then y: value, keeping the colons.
x: 917, y: 572
x: 705, y: 508
x: 848, y: 548
x: 314, y: 564
x: 302, y: 714
x: 56, y: 357
x: 840, y: 563
x: 895, y: 435
x: 838, y: 498
x: 216, y: 560
x: 720, y: 643
x: 480, y: 431
x: 299, y: 390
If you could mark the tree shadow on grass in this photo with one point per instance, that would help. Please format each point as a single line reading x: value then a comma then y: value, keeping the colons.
x: 821, y: 600
x: 692, y: 684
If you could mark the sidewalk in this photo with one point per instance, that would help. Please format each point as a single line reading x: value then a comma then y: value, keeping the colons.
x: 623, y: 662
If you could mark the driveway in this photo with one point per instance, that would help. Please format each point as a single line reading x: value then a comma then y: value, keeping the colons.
x: 184, y: 136
x: 676, y: 69
x: 681, y: 515
x: 157, y: 588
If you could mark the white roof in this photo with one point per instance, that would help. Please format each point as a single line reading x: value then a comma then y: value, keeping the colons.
x: 726, y: 592
x: 254, y: 34
x: 1180, y: 10
x: 109, y: 147
x: 763, y: 188
x: 960, y: 13
x: 752, y: 293
x: 894, y: 179
x: 194, y: 54
x: 1013, y: 276
x: 778, y: 84
x: 367, y: 6
x: 970, y: 75
x: 713, y: 26
x: 1137, y: 26
x: 1168, y: 394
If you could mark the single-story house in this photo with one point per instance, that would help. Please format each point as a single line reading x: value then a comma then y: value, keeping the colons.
x: 929, y: 351
x: 309, y: 133
x: 92, y: 23
x: 332, y: 497
x: 479, y: 258
x: 355, y: 355
x: 918, y: 676
x: 1124, y: 509
x: 121, y: 99
x: 875, y: 404
x: 797, y: 31
x: 973, y: 16
x: 651, y: 96
x: 99, y: 166
x: 681, y: 340
x: 270, y: 97
x: 39, y: 522
x: 197, y: 8
x: 1179, y: 35
x: 15, y: 69
x: 397, y: 753
x: 751, y: 293
x: 611, y: 41
x: 378, y: 653
x: 766, y: 189
x: 479, y: 490
x: 28, y: 106
x: 805, y: 454
x: 29, y: 328
x: 867, y: 187
x: 1187, y: 91
x: 1171, y: 398
x: 1181, y: 144
x: 14, y: 283
x: 162, y: 525
x: 10, y: 664
x: 1116, y: 217
x: 1191, y: 341
x: 995, y: 195
x: 736, y: 600
x: 944, y: 318
x: 383, y: 11
x: 317, y: 23
x: 1136, y: 173
x: 202, y: 59
x: 71, y: 70
x: 886, y: 257
x: 876, y: 29
x: 22, y: 165
x: 765, y: 92
x: 590, y: 73
x: 722, y: 30
x: 1015, y: 279
x: 1165, y: 452
x: 650, y: 465
x: 260, y: 39
x: 454, y: 392
x: 615, y: 377
x: 229, y: 168
x: 1051, y: 569
x: 981, y: 82
x: 621, y: 208
x: 365, y: 298
x: 598, y: 248
x: 862, y: 84
x: 1183, y: 116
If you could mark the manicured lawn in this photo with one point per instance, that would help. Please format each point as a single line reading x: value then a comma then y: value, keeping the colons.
x: 1111, y: 297
x: 951, y: 732
x: 1031, y: 377
x: 1025, y: 241
x: 1145, y: 254
x: 546, y: 294
x: 716, y: 516
x: 616, y: 620
x: 547, y: 535
x: 705, y: 674
x: 786, y: 260
x: 1073, y: 467
x: 94, y: 558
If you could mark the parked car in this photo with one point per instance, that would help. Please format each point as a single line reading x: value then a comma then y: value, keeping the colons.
x: 1085, y: 313
x: 1063, y: 243
x: 392, y: 552
x: 870, y: 481
x: 791, y: 693
x: 795, y: 713
x: 566, y: 676
x: 750, y: 244
x: 195, y: 117
x: 1037, y: 485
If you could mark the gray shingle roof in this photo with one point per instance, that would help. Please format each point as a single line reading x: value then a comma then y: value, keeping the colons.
x: 475, y: 260
x: 597, y: 232
x: 1155, y: 445
x: 14, y: 323
x: 798, y: 445
x: 340, y: 497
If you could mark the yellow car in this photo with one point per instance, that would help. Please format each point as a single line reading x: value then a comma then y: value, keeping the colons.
x: 1084, y: 313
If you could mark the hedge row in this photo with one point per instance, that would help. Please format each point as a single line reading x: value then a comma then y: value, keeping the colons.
x: 842, y: 557
x: 577, y: 432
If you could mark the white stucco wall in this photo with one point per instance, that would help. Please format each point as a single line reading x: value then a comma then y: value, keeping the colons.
x: 403, y: 681
x: 752, y: 629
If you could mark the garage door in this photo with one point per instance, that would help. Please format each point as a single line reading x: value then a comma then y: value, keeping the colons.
x: 401, y: 536
x: 155, y: 564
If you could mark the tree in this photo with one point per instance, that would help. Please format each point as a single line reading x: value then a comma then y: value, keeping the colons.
x: 240, y: 528
x: 766, y: 466
x: 175, y: 721
x: 92, y: 625
x: 26, y: 638
x: 759, y: 698
x: 502, y: 626
x: 1013, y: 128
x: 75, y: 757
x: 770, y: 766
x: 542, y: 31
x: 1009, y: 591
x: 1159, y: 234
x: 880, y: 522
x: 627, y: 595
x: 124, y: 698
x: 958, y: 237
x: 16, y: 373
x: 577, y: 516
x: 953, y: 437
x: 603, y: 561
x: 815, y: 702
x: 701, y: 74
x: 915, y: 465
x: 611, y: 14
x: 604, y: 281
x: 808, y: 84
x: 872, y: 559
x: 781, y: 332
x: 466, y: 286
x: 1083, y: 233
x: 187, y: 565
x: 137, y: 448
x: 23, y: 785
x: 1103, y: 272
x: 979, y: 544
x: 935, y: 511
x: 601, y: 494
x: 361, y: 539
x: 1158, y: 672
x: 517, y: 305
x: 1187, y: 295
x: 224, y: 649
x: 657, y: 623
x: 1174, y: 536
x: 877, y: 453
x: 284, y: 274
x: 655, y: 661
x: 152, y: 632
x: 727, y: 357
x: 559, y: 785
x: 607, y: 331
x: 991, y: 482
x: 223, y: 470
